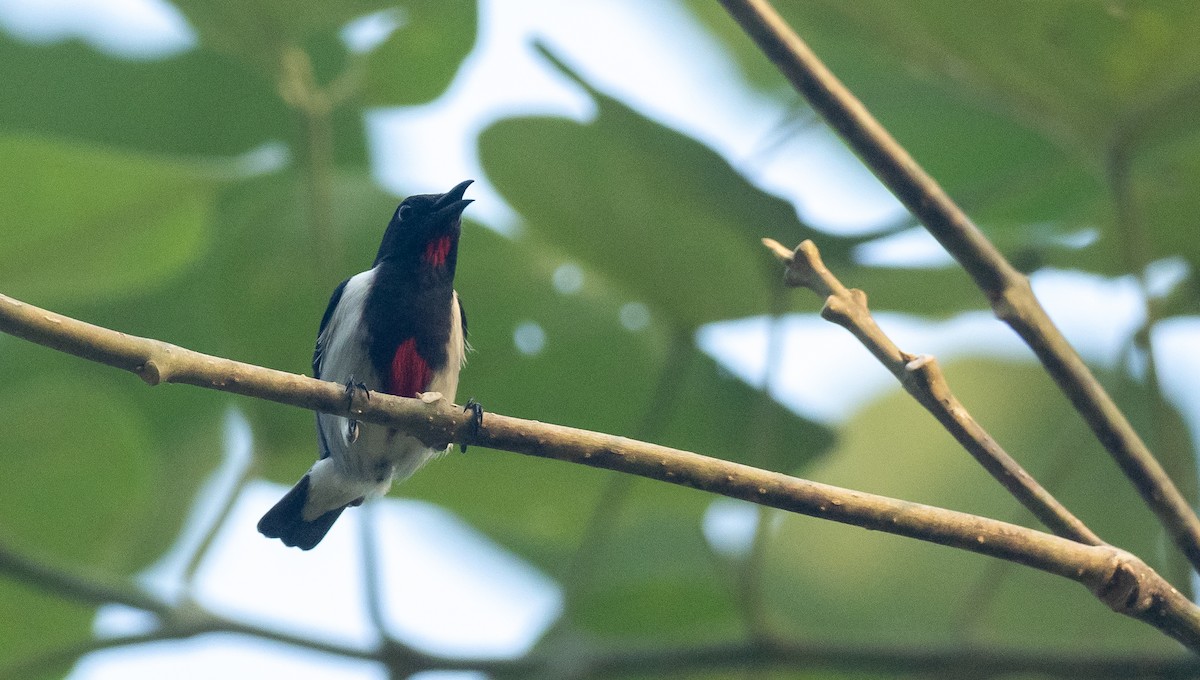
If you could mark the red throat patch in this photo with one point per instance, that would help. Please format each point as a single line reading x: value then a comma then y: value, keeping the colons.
x: 410, y: 374
x: 437, y: 250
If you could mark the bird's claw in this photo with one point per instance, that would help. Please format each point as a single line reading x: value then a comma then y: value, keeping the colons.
x: 353, y: 389
x: 476, y: 410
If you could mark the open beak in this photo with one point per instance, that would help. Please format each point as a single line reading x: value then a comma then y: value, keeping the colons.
x: 451, y: 204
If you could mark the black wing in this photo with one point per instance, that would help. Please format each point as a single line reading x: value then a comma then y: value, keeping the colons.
x: 333, y: 303
x: 462, y: 312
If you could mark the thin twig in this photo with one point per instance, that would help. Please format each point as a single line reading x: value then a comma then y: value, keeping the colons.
x: 45, y: 663
x: 368, y: 534
x: 210, y: 533
x: 752, y: 597
x: 1119, y: 579
x: 1008, y: 291
x: 93, y: 589
x: 923, y: 379
x: 606, y: 513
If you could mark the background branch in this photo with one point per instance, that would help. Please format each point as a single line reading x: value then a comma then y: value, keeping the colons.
x: 189, y: 620
x: 1008, y: 291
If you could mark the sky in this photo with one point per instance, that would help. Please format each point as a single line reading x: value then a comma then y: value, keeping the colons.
x: 449, y: 589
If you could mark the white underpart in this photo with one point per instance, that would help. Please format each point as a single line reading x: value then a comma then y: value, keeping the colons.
x: 367, y: 466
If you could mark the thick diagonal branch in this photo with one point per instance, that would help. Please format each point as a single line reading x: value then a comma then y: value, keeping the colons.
x: 1119, y: 579
x: 1008, y: 290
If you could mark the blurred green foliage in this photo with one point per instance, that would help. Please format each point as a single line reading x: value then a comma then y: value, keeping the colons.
x: 130, y: 197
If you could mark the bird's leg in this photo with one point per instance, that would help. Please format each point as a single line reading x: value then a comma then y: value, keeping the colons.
x: 352, y: 390
x: 477, y: 411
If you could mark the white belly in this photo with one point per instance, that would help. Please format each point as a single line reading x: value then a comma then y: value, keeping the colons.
x: 365, y: 466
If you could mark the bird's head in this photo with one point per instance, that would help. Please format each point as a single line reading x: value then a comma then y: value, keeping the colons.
x: 425, y: 228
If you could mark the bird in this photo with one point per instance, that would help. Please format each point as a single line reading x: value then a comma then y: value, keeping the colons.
x: 397, y: 328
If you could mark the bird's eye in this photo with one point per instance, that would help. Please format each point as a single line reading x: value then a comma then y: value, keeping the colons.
x: 404, y: 210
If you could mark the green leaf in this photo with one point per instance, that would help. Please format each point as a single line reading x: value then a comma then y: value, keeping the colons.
x: 1073, y: 72
x: 198, y: 103
x: 827, y: 577
x: 82, y: 222
x: 420, y: 59
x: 92, y: 466
x: 662, y: 216
x: 47, y: 623
x: 653, y: 576
x: 180, y: 428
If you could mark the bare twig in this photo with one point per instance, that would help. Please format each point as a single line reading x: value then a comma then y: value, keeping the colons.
x: 1119, y: 579
x: 1008, y: 291
x: 923, y: 379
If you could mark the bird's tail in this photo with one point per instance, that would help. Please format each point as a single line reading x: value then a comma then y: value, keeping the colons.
x: 286, y: 520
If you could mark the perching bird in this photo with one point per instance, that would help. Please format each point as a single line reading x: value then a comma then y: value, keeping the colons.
x: 396, y: 328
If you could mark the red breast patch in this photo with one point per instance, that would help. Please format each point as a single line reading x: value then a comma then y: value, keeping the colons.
x: 437, y: 250
x: 410, y: 374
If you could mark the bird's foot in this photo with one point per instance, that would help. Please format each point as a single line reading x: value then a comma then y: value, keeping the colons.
x: 353, y: 390
x: 476, y: 410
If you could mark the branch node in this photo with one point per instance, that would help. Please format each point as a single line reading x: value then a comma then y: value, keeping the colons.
x: 840, y: 311
x: 804, y: 266
x: 926, y: 373
x: 807, y: 269
x: 1008, y: 301
x: 1126, y: 589
x: 860, y: 297
x: 149, y: 372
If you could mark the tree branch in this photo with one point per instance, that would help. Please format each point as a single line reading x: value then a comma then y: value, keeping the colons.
x: 188, y: 620
x: 1119, y: 579
x: 921, y: 377
x: 1008, y: 291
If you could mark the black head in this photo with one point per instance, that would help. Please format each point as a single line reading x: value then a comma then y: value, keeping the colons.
x: 424, y: 226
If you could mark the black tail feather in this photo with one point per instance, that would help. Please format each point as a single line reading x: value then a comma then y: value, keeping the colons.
x: 285, y: 520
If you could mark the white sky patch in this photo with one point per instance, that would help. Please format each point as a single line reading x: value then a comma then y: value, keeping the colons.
x: 134, y: 29
x: 317, y: 593
x: 222, y: 656
x: 1176, y: 342
x: 912, y: 248
x: 370, y: 31
x: 826, y: 374
x: 1163, y: 276
x: 729, y: 526
x: 441, y: 586
x: 447, y: 590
